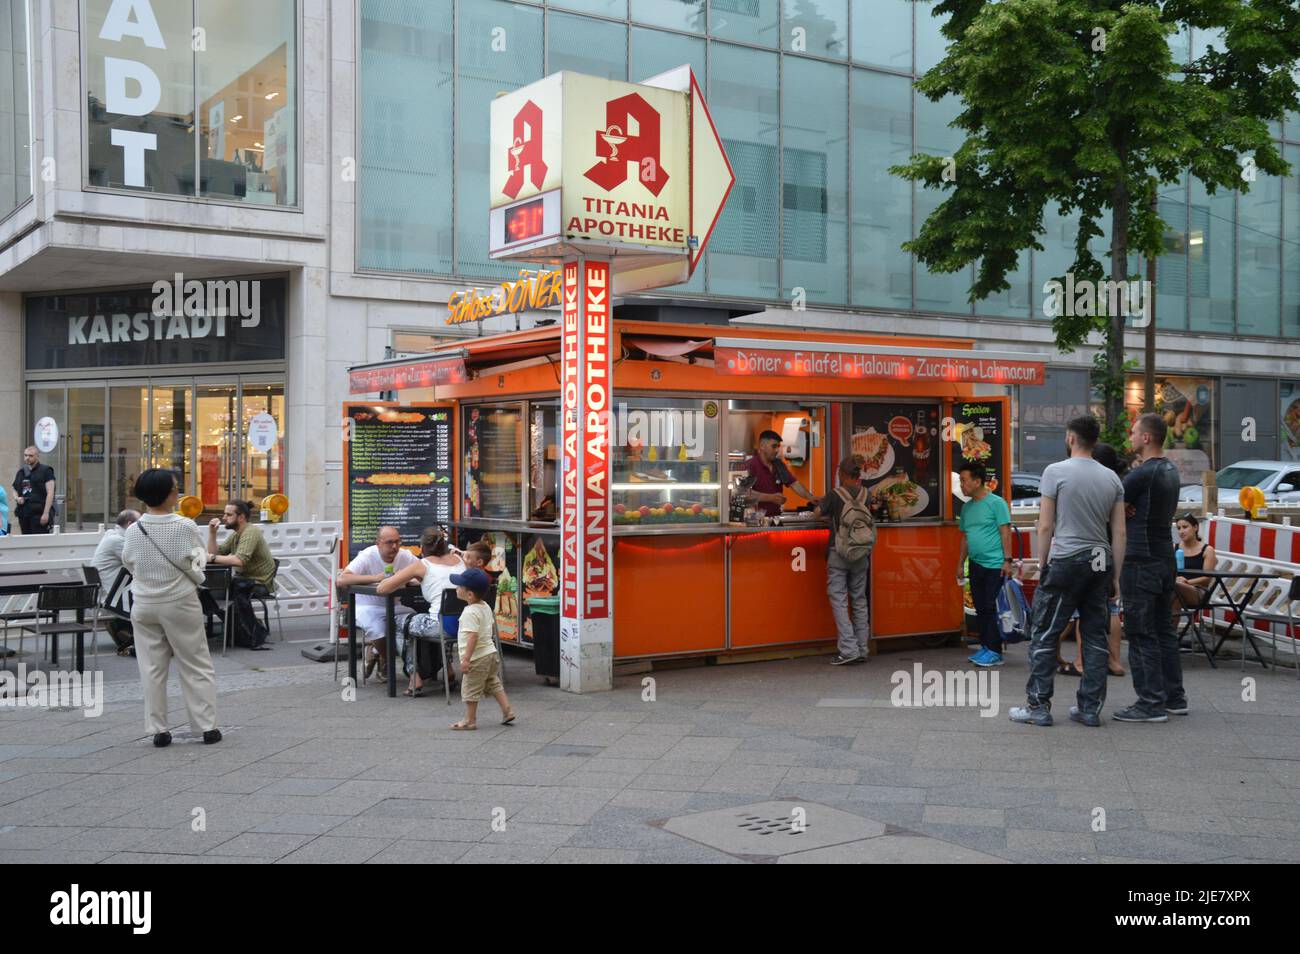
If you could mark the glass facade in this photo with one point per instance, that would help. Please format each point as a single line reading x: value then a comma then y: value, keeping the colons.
x: 813, y: 100
x: 15, y: 109
x: 195, y: 98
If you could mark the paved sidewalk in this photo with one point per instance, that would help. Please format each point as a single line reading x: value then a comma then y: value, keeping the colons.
x: 792, y: 761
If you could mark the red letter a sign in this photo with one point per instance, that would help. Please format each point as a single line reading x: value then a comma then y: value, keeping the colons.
x: 526, y: 150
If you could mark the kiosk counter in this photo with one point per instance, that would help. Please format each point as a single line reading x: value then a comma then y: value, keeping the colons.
x: 692, y: 573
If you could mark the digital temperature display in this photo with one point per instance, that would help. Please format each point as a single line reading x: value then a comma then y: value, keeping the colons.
x: 525, y: 221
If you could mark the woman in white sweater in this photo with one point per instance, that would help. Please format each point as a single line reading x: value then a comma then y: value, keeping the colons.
x: 165, y: 555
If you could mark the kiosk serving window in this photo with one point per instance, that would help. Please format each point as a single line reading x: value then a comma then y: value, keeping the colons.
x: 543, y: 459
x: 493, y: 448
x: 666, y: 462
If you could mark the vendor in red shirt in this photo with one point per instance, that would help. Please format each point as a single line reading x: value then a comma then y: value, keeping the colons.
x: 771, y: 475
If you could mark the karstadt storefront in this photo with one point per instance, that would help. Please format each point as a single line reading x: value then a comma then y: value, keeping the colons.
x: 166, y: 375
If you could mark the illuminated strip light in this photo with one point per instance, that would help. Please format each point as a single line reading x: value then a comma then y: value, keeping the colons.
x: 669, y: 486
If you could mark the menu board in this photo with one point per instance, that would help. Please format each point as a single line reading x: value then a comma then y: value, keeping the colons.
x: 398, y: 473
x: 977, y: 438
x: 900, y: 445
x: 494, y: 463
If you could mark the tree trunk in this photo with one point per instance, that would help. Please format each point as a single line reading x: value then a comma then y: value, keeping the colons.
x: 1120, y: 214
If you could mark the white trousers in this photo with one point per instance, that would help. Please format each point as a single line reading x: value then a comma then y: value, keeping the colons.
x: 164, y: 631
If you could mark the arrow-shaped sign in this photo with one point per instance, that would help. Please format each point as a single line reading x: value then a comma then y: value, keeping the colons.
x: 711, y: 173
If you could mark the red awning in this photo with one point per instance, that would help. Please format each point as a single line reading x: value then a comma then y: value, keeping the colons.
x: 418, y: 373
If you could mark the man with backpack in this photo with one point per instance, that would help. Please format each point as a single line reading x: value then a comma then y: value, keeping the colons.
x: 986, y: 538
x: 848, y: 564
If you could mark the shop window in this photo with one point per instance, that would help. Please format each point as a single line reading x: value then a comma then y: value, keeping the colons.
x: 543, y: 460
x: 492, y: 449
x: 665, y: 457
x: 152, y: 128
x: 805, y: 454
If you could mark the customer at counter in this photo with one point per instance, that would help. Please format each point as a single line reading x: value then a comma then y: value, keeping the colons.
x: 848, y: 564
x: 771, y: 476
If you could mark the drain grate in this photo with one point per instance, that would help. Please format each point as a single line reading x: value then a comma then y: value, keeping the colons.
x: 786, y: 825
x: 749, y: 830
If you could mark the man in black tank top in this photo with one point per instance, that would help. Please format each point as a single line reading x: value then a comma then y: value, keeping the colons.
x: 1147, y: 580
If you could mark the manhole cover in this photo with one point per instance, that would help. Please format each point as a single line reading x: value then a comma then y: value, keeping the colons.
x: 773, y: 828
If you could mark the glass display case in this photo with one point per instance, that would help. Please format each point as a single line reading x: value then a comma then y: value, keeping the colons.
x: 666, y: 467
x: 493, y: 471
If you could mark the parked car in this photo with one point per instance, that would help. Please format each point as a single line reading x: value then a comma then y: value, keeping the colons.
x: 1024, y: 488
x: 1278, y: 479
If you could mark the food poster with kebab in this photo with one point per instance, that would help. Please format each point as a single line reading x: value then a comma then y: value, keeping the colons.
x: 540, y: 576
x: 900, y: 444
x: 1187, y: 406
x: 398, y: 470
x: 493, y: 462
x: 503, y: 567
x: 977, y: 431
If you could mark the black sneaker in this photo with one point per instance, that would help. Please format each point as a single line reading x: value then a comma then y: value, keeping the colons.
x: 211, y: 736
x: 843, y: 660
x: 162, y: 739
x: 1084, y: 718
x: 1134, y: 714
x: 1176, y: 708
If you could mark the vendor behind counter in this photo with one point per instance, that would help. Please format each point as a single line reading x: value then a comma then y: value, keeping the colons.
x: 771, y: 476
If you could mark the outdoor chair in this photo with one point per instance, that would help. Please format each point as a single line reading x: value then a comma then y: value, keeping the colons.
x: 216, y: 583
x: 1290, y: 619
x: 78, y: 598
x: 450, y: 608
x: 271, y: 596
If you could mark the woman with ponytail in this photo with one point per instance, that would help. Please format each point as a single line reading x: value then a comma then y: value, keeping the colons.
x: 434, y: 569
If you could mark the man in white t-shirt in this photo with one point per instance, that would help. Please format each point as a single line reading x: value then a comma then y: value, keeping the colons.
x: 372, y: 565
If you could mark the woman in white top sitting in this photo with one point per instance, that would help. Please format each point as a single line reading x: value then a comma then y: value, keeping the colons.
x: 438, y: 562
x: 166, y: 556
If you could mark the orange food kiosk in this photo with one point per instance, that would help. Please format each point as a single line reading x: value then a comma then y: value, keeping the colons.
x: 690, y: 576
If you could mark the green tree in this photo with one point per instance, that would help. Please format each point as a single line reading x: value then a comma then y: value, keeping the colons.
x: 1081, y: 103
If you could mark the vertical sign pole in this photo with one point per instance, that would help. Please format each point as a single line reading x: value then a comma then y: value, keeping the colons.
x: 586, y: 607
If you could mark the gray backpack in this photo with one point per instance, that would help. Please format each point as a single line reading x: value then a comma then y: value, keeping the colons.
x: 856, y: 533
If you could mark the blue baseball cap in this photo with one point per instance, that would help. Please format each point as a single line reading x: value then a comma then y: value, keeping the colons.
x: 473, y: 579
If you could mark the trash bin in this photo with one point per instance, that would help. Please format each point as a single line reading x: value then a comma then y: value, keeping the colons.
x: 545, y: 612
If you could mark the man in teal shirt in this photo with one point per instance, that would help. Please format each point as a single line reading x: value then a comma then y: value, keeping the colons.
x: 986, y: 538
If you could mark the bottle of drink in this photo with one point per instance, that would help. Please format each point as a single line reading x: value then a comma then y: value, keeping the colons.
x: 1181, y: 559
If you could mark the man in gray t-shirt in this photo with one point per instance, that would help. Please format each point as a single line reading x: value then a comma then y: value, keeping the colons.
x: 1080, y: 547
x: 1085, y: 493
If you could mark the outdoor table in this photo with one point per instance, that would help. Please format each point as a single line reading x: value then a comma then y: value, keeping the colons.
x: 24, y: 582
x: 1218, y: 579
x: 390, y: 628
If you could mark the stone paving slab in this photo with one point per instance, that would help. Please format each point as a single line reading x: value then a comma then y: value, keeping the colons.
x: 306, y: 777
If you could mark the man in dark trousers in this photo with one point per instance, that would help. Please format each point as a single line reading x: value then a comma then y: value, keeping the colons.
x: 247, y: 552
x: 1147, y: 583
x: 34, y: 487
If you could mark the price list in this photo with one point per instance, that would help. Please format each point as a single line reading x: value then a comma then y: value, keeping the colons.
x: 399, y: 472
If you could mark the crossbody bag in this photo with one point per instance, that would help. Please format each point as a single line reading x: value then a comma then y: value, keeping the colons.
x: 184, y: 572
